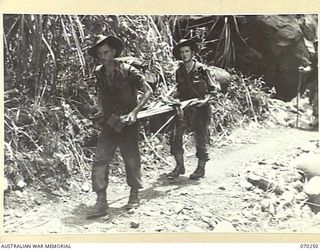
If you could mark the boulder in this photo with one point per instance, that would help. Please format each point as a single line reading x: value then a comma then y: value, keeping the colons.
x: 312, y: 189
x: 309, y: 164
x: 264, y: 184
x: 308, y: 25
x: 221, y: 76
x: 134, y: 224
x: 280, y: 41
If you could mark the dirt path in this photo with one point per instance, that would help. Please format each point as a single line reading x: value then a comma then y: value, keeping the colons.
x: 219, y: 202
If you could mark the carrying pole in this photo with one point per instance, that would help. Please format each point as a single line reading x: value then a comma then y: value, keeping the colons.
x: 298, y: 93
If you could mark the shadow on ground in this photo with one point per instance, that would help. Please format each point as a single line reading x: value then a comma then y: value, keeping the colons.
x: 79, y: 214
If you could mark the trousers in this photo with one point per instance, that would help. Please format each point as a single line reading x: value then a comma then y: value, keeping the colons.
x: 198, y: 119
x: 108, y: 141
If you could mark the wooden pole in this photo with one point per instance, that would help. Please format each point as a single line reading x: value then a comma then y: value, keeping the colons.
x: 298, y: 93
x: 164, y: 109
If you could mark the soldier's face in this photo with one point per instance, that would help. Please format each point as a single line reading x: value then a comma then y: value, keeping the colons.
x: 186, y: 54
x: 106, y: 53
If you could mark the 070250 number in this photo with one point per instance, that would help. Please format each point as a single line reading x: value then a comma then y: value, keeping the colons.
x: 309, y: 246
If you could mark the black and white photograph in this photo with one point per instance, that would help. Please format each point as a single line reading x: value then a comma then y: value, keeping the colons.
x: 160, y: 123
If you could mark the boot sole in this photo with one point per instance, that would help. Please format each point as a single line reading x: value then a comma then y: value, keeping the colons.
x: 174, y: 177
x: 131, y: 206
x: 196, y: 178
x: 93, y: 216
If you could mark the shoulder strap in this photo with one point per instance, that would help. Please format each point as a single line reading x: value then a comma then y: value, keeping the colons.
x: 125, y: 68
x: 190, y: 83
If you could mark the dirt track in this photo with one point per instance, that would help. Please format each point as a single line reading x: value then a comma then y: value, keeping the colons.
x: 220, y: 202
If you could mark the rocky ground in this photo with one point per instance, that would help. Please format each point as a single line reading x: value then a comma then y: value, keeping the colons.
x: 230, y: 198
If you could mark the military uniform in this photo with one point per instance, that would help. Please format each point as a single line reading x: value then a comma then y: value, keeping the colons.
x: 195, y: 84
x: 118, y: 94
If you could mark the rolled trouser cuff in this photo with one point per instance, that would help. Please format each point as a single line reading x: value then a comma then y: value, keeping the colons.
x: 202, y: 154
x: 99, y: 177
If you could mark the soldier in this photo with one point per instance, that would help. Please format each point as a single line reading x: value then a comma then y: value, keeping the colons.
x: 117, y: 85
x: 193, y: 81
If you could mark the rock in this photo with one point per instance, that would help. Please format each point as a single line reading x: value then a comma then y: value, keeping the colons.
x: 303, y: 124
x: 262, y: 162
x: 224, y: 227
x: 159, y: 229
x: 222, y: 188
x: 313, y: 186
x: 258, y: 191
x: 221, y: 76
x: 309, y: 164
x: 134, y: 224
x: 85, y: 187
x: 263, y: 183
x: 37, y: 202
x: 246, y: 185
x: 131, y: 211
x: 312, y: 189
x: 308, y: 25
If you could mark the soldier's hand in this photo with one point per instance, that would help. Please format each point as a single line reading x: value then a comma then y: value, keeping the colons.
x: 131, y: 118
x: 179, y: 112
x: 174, y: 102
x: 305, y: 69
x: 201, y: 103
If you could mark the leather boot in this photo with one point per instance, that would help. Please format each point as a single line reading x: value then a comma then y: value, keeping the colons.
x: 179, y: 169
x: 200, y: 170
x: 133, y: 199
x: 100, y: 208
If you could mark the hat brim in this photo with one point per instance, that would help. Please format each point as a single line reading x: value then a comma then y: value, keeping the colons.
x: 113, y: 41
x: 191, y: 43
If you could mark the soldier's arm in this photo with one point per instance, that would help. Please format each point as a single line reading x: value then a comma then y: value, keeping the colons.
x: 147, y: 92
x: 96, y: 72
x: 212, y: 86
